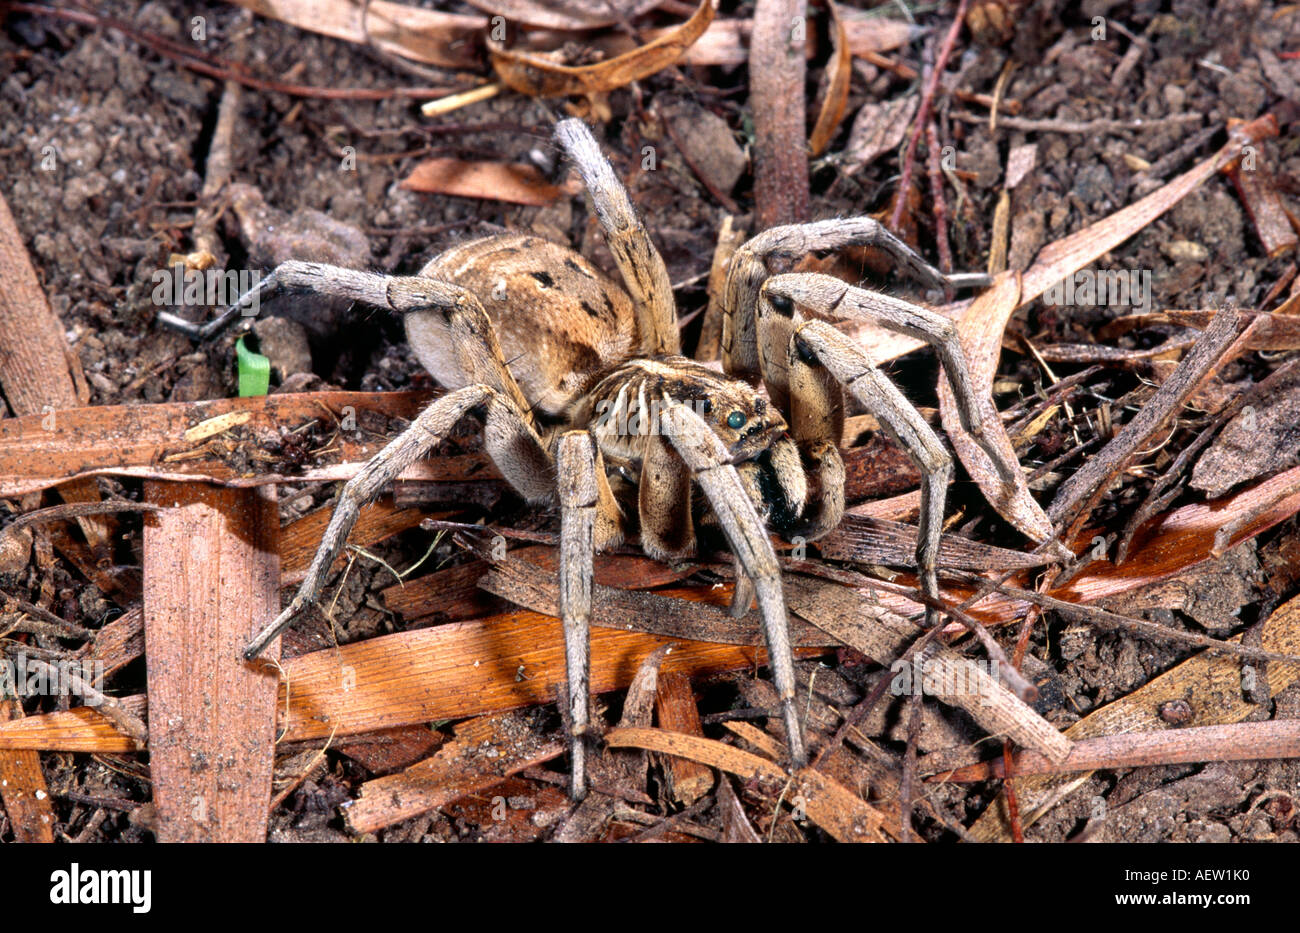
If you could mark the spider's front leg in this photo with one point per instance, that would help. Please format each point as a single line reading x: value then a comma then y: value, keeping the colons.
x: 319, y: 277
x: 589, y: 520
x: 835, y: 298
x: 639, y: 263
x: 703, y: 454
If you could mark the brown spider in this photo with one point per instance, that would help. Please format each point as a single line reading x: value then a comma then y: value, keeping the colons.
x: 595, y: 399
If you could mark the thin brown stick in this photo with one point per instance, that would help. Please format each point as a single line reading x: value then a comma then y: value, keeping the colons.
x: 1243, y: 741
x: 940, y: 206
x: 923, y: 114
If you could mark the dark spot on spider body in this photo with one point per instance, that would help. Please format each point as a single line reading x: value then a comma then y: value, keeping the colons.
x: 544, y: 279
x: 781, y: 304
x: 591, y: 312
x: 805, y: 352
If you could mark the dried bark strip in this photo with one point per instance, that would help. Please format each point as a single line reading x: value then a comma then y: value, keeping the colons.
x: 484, y: 752
x: 150, y: 441
x: 467, y: 669
x: 118, y: 643
x: 301, y: 537
x: 981, y: 329
x: 450, y: 595
x: 860, y: 622
x: 702, y: 617
x: 1246, y: 741
x: 867, y: 540
x: 23, y: 790
x: 776, y: 78
x: 212, y: 574
x: 1079, y: 494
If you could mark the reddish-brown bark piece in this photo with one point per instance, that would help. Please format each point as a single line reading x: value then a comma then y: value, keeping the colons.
x: 22, y: 788
x: 677, y: 712
x: 211, y: 580
x: 776, y: 78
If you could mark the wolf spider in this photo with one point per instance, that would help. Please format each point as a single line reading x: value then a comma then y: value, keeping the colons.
x: 582, y: 392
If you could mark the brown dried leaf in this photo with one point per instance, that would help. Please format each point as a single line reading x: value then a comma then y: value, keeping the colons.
x: 981, y: 329
x: 444, y: 39
x: 567, y: 14
x: 878, y: 128
x: 538, y: 76
x: 839, y: 71
x: 516, y: 183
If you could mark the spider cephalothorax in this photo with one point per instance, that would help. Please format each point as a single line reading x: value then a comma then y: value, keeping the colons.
x: 582, y: 392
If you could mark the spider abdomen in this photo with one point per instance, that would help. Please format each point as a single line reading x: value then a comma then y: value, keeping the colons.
x: 560, y: 323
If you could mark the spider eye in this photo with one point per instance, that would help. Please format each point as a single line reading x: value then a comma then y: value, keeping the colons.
x: 706, y: 406
x: 736, y: 420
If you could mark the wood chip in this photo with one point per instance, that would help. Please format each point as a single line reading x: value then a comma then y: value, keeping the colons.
x: 23, y: 789
x: 675, y: 707
x: 212, y: 572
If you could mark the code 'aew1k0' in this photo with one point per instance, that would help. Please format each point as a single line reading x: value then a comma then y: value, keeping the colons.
x: 558, y: 361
